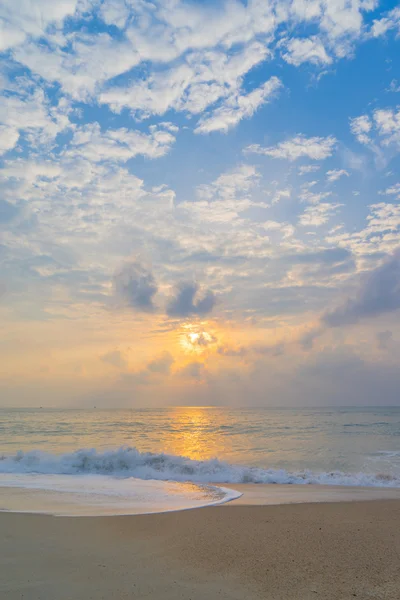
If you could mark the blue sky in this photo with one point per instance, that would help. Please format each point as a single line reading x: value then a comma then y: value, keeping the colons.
x: 199, y: 202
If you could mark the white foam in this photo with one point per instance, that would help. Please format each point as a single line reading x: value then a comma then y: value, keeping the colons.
x: 129, y: 462
x: 102, y: 494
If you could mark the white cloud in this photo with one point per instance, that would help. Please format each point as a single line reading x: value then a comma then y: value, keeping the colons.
x: 313, y: 197
x: 393, y: 86
x: 218, y: 75
x: 387, y: 123
x: 19, y: 18
x: 155, y: 95
x: 301, y: 50
x: 8, y: 138
x: 382, y: 128
x: 340, y: 23
x: 115, y: 12
x: 305, y: 169
x: 384, y: 217
x: 193, y: 54
x: 227, y: 196
x: 118, y: 144
x: 381, y: 234
x: 315, y: 148
x: 201, y: 81
x: 9, y: 36
x: 215, y: 212
x: 229, y: 184
x: 239, y: 107
x: 307, y: 185
x: 393, y: 190
x: 30, y: 170
x: 194, y: 58
x: 93, y: 60
x: 336, y: 174
x: 318, y: 214
x: 390, y: 21
x: 100, y: 213
x: 169, y: 126
x: 281, y: 194
x: 32, y: 114
x: 361, y: 127
x: 185, y: 26
x: 285, y: 229
x: 87, y: 211
x: 343, y: 21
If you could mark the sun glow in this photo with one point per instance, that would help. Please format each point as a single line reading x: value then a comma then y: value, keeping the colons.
x: 196, y: 339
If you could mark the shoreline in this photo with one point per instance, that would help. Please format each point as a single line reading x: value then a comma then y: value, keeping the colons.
x: 21, y: 500
x: 260, y: 494
x: 233, y: 551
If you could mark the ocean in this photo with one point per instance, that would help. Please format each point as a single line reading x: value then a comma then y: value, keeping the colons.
x: 174, y: 457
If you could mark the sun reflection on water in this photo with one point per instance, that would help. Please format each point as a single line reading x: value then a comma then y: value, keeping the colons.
x: 195, y: 433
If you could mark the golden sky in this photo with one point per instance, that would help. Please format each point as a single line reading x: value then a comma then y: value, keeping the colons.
x: 199, y: 205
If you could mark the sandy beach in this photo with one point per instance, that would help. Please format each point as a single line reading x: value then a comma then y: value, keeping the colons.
x: 329, y: 550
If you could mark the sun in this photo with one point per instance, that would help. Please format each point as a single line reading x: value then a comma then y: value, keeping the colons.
x: 196, y: 339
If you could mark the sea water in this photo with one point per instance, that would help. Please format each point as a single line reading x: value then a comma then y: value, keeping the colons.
x: 166, y: 459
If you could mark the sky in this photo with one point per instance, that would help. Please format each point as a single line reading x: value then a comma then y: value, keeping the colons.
x: 199, y: 203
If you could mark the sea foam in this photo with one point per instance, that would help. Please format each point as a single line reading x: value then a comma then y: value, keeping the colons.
x: 96, y: 495
x: 129, y: 462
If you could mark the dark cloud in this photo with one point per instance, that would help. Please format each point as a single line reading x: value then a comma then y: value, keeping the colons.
x: 193, y: 369
x: 331, y: 377
x: 322, y: 264
x: 151, y: 372
x: 269, y: 349
x: 207, y: 257
x: 136, y: 285
x: 329, y: 256
x: 187, y: 301
x: 232, y: 351
x: 162, y: 364
x: 379, y: 293
x: 306, y: 340
x: 262, y: 349
x: 115, y: 359
x: 384, y: 339
x: 342, y: 378
x: 203, y: 256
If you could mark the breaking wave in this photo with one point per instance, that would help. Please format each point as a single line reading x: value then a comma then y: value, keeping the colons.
x: 129, y: 462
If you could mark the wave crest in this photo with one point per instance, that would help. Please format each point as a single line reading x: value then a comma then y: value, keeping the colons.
x: 129, y: 462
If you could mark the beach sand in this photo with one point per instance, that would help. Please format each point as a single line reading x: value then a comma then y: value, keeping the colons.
x: 241, y: 550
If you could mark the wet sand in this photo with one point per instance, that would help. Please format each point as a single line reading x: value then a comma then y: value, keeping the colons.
x: 329, y: 550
